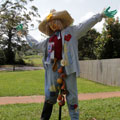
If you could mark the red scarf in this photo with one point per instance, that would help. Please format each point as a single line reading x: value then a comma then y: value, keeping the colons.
x: 57, y: 45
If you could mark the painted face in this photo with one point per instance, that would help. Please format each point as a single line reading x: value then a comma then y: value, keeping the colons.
x: 55, y: 25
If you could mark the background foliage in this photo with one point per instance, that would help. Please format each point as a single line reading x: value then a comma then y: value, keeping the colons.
x: 13, y: 13
x: 93, y: 45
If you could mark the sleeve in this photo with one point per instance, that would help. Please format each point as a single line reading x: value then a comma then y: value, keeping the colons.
x: 40, y: 46
x: 81, y: 29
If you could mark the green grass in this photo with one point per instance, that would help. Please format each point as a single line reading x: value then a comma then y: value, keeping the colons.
x: 87, y: 86
x: 32, y: 56
x: 22, y: 83
x: 34, y: 60
x: 101, y: 109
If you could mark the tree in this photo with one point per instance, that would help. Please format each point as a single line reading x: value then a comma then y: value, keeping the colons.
x: 2, y: 57
x: 13, y: 13
x: 86, y: 45
x: 108, y: 44
x: 99, y: 46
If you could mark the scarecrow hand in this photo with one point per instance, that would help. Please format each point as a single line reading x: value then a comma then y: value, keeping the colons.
x: 19, y: 27
x: 110, y: 14
x: 20, y: 30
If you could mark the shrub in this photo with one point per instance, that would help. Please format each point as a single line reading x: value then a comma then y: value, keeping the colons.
x: 2, y: 57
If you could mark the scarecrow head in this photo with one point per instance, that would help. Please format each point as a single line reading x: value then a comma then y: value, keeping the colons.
x: 55, y: 21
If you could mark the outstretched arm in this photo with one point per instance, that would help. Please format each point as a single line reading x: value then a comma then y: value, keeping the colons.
x: 35, y: 44
x: 40, y: 46
x: 81, y: 29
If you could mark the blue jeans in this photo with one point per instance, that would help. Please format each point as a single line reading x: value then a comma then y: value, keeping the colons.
x: 52, y: 91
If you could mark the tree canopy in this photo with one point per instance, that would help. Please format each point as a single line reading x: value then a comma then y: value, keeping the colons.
x: 13, y: 13
x: 108, y: 43
x: 86, y: 45
x: 101, y: 46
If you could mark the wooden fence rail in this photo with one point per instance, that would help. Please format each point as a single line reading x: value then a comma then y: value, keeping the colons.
x: 105, y: 71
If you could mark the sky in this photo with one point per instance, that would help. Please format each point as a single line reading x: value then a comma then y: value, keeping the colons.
x: 80, y: 10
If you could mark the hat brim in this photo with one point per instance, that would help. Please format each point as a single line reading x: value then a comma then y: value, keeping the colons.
x: 63, y: 16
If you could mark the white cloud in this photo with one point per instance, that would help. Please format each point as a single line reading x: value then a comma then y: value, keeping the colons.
x: 45, y: 14
x: 68, y: 1
x: 87, y: 16
x: 99, y: 26
x: 37, y: 35
x: 118, y: 13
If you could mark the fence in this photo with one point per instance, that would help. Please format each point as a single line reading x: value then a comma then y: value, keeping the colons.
x: 103, y: 71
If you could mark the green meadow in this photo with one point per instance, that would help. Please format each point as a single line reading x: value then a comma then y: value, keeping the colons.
x: 34, y: 60
x: 100, y: 109
x: 21, y: 83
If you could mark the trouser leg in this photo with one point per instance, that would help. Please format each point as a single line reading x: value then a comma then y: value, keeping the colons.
x: 72, y: 97
x: 51, y: 92
x: 47, y: 110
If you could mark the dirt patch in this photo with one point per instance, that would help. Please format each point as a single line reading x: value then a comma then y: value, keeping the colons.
x: 40, y: 99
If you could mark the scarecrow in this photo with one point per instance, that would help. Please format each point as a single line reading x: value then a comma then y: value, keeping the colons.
x: 60, y: 60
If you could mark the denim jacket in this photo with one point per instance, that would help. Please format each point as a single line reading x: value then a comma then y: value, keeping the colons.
x: 70, y: 36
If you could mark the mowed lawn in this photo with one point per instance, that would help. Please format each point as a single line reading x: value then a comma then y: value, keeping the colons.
x: 34, y: 60
x: 22, y: 83
x: 100, y: 109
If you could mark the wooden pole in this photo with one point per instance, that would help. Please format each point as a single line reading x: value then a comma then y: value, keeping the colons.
x: 60, y: 111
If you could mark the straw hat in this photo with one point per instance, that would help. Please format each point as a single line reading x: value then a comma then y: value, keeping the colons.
x: 63, y: 16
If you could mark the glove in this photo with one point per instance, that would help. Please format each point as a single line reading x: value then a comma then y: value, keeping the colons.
x: 20, y: 30
x: 19, y: 27
x: 110, y: 14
